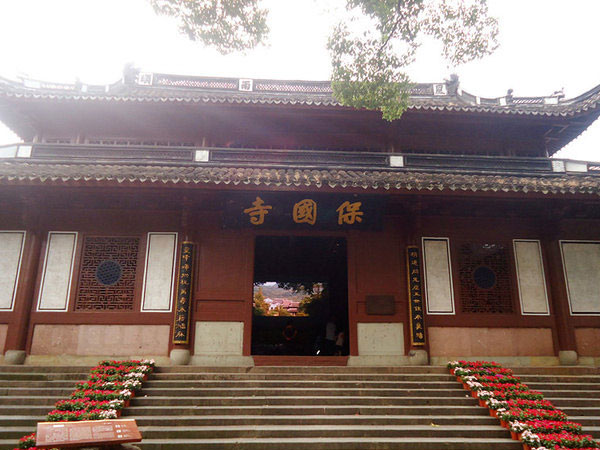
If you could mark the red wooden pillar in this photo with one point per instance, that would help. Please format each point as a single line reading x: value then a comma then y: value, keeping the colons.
x: 18, y: 328
x: 567, y: 347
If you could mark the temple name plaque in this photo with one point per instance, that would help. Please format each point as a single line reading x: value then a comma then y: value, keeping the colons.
x: 86, y: 433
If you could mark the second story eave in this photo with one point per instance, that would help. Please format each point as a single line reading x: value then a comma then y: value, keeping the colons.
x: 292, y: 114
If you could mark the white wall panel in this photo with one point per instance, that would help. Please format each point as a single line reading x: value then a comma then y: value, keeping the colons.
x: 438, y: 276
x: 530, y: 277
x: 581, y: 264
x: 219, y: 338
x: 380, y: 339
x: 58, y: 271
x: 11, y: 252
x: 159, y: 272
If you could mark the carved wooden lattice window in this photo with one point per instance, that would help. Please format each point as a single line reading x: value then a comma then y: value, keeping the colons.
x: 107, y: 275
x: 484, y: 274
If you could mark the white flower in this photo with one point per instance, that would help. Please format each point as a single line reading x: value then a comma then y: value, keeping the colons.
x: 530, y: 438
x: 109, y: 414
x: 132, y: 384
x: 125, y: 393
x: 134, y: 375
x: 518, y: 427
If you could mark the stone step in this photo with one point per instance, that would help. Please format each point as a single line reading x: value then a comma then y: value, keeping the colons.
x: 35, y: 391
x: 303, y: 410
x: 559, y: 379
x: 43, y: 376
x: 345, y: 384
x: 333, y: 420
x: 23, y: 376
x: 548, y: 387
x: 293, y: 392
x: 586, y: 411
x: 561, y: 402
x: 307, y: 369
x: 294, y: 400
x: 15, y: 432
x: 18, y: 409
x: 337, y: 443
x: 28, y: 400
x: 21, y: 421
x: 586, y: 421
x: 46, y: 369
x: 590, y: 423
x: 303, y: 377
x: 322, y: 431
x: 572, y: 394
x: 556, y: 370
x: 37, y: 384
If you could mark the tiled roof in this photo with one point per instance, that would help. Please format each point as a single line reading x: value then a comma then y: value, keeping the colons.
x: 385, y: 180
x: 148, y: 87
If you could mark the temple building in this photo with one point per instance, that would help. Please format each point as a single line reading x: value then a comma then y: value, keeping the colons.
x: 141, y: 218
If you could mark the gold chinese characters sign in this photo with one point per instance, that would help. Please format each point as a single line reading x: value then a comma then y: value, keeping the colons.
x: 303, y: 211
x: 415, y: 297
x: 181, y: 326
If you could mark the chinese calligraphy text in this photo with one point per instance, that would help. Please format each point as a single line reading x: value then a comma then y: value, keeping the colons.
x: 302, y: 211
x: 183, y: 295
x: 415, y: 297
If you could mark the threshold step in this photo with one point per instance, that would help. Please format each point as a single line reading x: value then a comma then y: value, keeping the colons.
x: 333, y: 444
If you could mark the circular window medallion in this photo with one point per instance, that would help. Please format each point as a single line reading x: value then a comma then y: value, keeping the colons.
x: 108, y: 272
x: 484, y: 277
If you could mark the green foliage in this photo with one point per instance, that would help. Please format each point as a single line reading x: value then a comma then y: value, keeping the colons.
x: 313, y: 305
x: 299, y: 287
x: 227, y: 25
x: 280, y: 311
x: 368, y: 58
x: 368, y: 67
x: 259, y: 306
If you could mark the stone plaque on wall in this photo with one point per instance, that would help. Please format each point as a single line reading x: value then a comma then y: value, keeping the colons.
x: 380, y: 305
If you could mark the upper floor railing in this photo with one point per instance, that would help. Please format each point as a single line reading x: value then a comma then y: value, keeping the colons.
x: 309, y: 159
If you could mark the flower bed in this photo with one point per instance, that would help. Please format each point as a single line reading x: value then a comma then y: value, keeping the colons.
x: 107, y: 391
x: 530, y: 419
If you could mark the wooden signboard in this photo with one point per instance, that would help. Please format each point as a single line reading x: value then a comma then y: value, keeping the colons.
x: 181, y: 325
x: 268, y: 210
x: 415, y: 297
x: 87, y: 433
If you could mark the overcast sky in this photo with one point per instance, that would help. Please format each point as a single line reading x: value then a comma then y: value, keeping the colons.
x: 545, y: 45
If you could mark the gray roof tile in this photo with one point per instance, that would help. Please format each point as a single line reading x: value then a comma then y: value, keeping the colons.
x: 385, y: 180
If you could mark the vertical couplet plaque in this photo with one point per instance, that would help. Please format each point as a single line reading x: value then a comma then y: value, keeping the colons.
x: 181, y: 326
x: 415, y: 297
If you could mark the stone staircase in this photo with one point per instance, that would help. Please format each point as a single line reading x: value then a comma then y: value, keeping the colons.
x: 417, y: 408
x: 28, y: 393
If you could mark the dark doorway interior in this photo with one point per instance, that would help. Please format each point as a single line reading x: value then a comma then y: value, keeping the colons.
x: 300, y: 290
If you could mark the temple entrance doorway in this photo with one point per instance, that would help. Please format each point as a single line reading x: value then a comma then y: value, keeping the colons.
x: 300, y: 296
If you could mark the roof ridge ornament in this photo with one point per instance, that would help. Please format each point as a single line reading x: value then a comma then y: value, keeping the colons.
x: 130, y: 73
x: 453, y: 84
x: 246, y: 85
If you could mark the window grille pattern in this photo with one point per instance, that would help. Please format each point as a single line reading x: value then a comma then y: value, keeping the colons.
x: 484, y: 274
x: 107, y: 274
